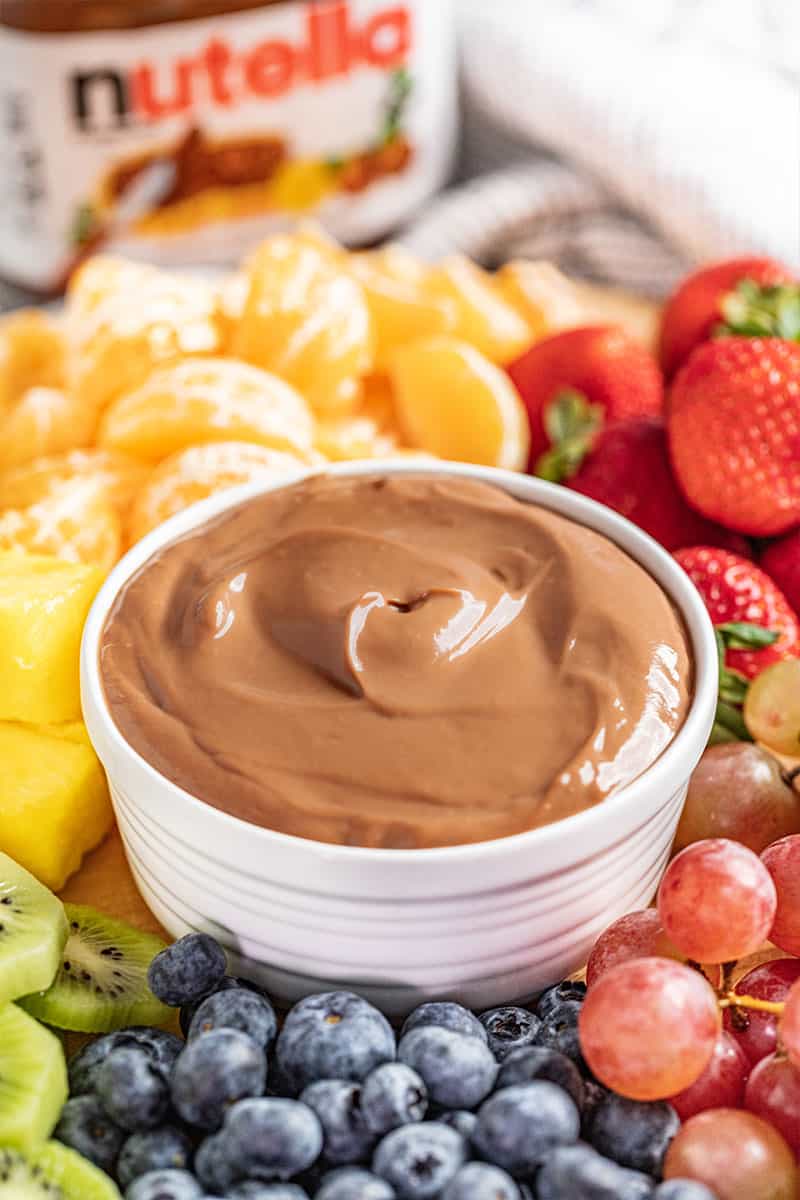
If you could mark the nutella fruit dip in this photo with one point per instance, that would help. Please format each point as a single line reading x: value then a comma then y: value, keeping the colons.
x: 396, y: 662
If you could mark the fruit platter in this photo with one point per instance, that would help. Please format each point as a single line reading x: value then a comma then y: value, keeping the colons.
x: 400, y: 734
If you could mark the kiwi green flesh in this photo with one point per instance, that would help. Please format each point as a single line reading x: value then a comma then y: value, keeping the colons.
x: 101, y: 984
x: 33, y: 931
x: 52, y: 1172
x: 33, y: 1080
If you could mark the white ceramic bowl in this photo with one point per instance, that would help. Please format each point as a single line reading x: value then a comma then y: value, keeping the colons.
x: 485, y: 923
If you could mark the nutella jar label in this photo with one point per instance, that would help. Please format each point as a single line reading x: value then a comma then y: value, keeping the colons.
x: 184, y: 143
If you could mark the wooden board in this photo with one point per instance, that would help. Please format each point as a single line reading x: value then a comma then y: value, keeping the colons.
x: 105, y: 880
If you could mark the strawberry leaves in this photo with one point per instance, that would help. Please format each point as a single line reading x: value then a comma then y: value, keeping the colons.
x: 571, y: 423
x: 753, y: 311
x: 729, y: 723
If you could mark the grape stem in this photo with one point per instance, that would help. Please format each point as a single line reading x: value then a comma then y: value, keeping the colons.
x: 734, y: 1000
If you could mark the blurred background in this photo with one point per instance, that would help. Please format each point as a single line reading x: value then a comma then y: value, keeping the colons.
x: 623, y: 140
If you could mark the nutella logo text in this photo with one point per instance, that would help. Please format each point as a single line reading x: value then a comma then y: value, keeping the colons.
x: 331, y: 43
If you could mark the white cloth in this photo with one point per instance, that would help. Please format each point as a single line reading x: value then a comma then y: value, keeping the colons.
x: 676, y: 125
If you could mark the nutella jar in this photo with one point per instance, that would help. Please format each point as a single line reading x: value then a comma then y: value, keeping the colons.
x: 183, y: 131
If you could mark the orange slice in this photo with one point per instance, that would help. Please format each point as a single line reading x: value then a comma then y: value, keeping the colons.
x: 545, y: 298
x: 207, y: 400
x: 199, y: 472
x: 44, y: 421
x: 400, y: 307
x: 485, y: 319
x: 118, y: 477
x: 73, y: 522
x: 32, y: 354
x: 307, y: 321
x: 125, y: 318
x: 452, y: 402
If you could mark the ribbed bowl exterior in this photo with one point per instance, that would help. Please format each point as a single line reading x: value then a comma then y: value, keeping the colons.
x: 485, y: 924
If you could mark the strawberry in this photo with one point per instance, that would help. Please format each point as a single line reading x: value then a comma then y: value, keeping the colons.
x: 754, y: 624
x: 736, y: 592
x: 781, y: 561
x: 602, y: 363
x: 625, y: 465
x: 707, y: 298
x: 734, y: 433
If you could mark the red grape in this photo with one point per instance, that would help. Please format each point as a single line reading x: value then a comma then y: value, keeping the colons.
x: 722, y: 1083
x: 636, y: 935
x: 648, y: 1027
x: 716, y: 901
x: 736, y: 1154
x: 738, y: 791
x: 782, y: 860
x: 757, y: 1032
x: 773, y: 1092
x: 789, y: 1025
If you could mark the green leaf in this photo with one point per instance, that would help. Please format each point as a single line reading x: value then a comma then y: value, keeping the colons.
x: 733, y: 687
x: 741, y: 635
x: 731, y: 719
x: 572, y: 424
x: 754, y: 311
x: 720, y: 735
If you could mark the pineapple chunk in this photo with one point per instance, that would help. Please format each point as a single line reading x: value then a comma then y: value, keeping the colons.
x: 43, y: 606
x: 54, y: 802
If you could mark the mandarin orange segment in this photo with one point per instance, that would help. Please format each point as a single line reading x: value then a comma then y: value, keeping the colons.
x: 455, y: 403
x: 484, y: 318
x: 544, y: 297
x: 44, y: 421
x: 119, y: 477
x: 371, y: 431
x: 201, y: 471
x: 73, y: 522
x: 399, y: 306
x: 125, y: 318
x: 307, y: 321
x: 32, y: 354
x: 207, y: 400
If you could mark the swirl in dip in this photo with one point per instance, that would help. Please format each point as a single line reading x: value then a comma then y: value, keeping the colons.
x: 404, y: 661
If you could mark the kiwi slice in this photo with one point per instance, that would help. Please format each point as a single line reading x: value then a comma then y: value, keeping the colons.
x: 33, y: 1080
x: 52, y: 1172
x: 33, y: 931
x: 101, y: 984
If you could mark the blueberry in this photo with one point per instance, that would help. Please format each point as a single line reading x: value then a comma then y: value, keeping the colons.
x: 446, y: 1015
x: 187, y: 1011
x: 458, y: 1071
x: 481, y: 1181
x: 187, y: 970
x: 334, y: 1035
x: 578, y: 1171
x: 132, y: 1089
x: 213, y: 1167
x: 519, y: 1127
x: 236, y: 1008
x: 462, y: 1121
x: 164, y: 1185
x: 594, y: 1094
x: 253, y: 1189
x: 683, y: 1189
x: 86, y: 1127
x: 213, y: 1072
x: 162, y: 1047
x: 420, y: 1160
x: 338, y: 1104
x: 354, y: 1183
x: 509, y: 1029
x: 559, y: 1030
x: 155, y: 1150
x: 393, y: 1095
x: 553, y: 996
x: 272, y: 1139
x: 633, y: 1134
x: 539, y: 1062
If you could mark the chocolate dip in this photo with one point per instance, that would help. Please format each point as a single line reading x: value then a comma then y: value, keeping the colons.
x: 395, y: 662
